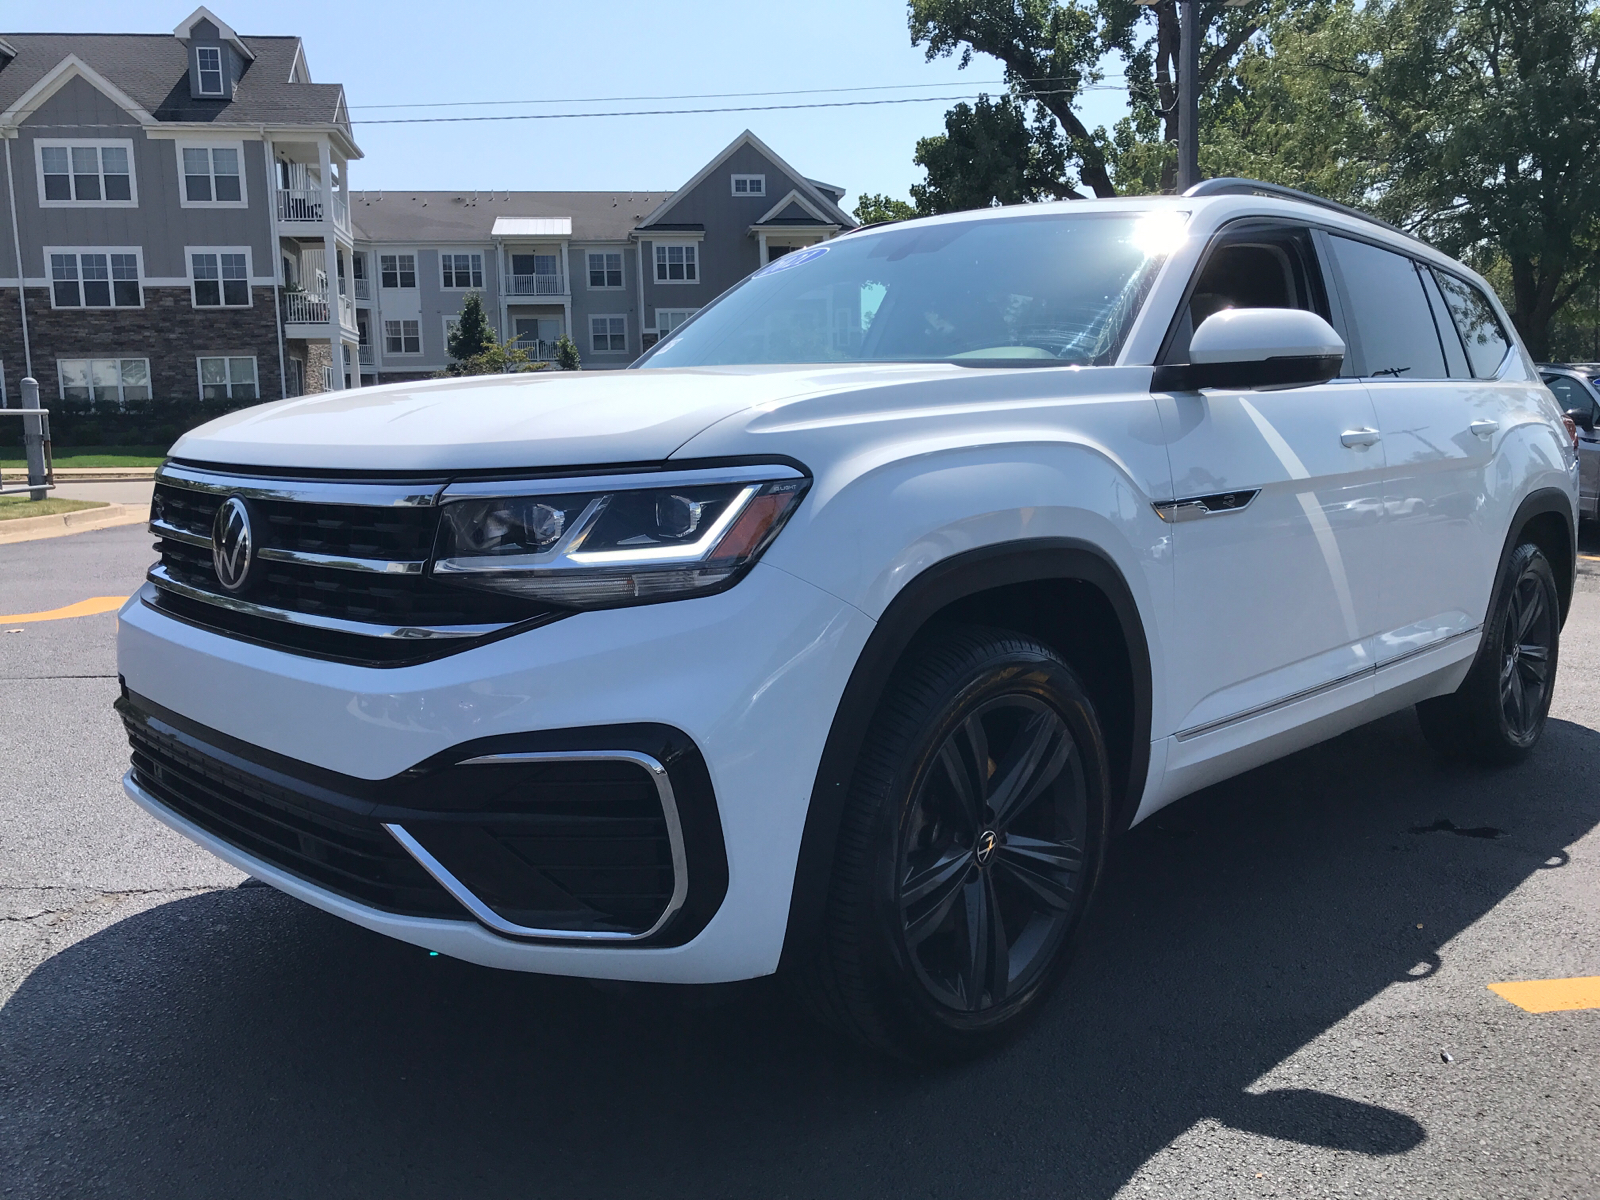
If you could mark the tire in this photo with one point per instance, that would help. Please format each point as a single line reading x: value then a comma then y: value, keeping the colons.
x: 975, y: 823
x: 1497, y: 715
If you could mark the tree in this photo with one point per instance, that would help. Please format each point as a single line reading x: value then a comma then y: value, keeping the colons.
x: 1051, y: 50
x: 472, y: 334
x: 874, y: 209
x: 497, y: 358
x: 989, y: 154
x: 567, y: 354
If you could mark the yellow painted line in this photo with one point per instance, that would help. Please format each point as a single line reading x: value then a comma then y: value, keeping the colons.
x: 1551, y: 995
x: 83, y: 608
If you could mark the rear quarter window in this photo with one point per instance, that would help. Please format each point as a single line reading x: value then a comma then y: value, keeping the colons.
x: 1481, y: 334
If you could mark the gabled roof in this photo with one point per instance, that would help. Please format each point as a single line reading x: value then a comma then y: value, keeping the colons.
x: 795, y: 209
x: 407, y: 217
x: 185, y: 29
x: 836, y: 215
x: 150, y: 73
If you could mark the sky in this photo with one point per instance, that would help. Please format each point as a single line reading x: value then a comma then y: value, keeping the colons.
x: 403, y: 52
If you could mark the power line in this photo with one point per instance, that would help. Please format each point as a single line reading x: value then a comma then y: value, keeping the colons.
x: 678, y: 112
x: 887, y: 87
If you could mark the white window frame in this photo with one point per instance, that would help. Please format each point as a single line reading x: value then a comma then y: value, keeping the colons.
x: 79, y: 251
x: 686, y: 313
x: 201, y: 71
x: 476, y: 269
x: 622, y: 271
x: 402, y: 322
x: 126, y: 144
x: 397, y: 255
x: 208, y: 145
x: 249, y: 274
x: 119, y: 359
x: 608, y: 317
x: 657, y: 264
x: 759, y: 180
x: 227, y: 369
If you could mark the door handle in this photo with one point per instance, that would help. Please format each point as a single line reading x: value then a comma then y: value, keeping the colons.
x: 1359, y: 437
x: 1484, y: 428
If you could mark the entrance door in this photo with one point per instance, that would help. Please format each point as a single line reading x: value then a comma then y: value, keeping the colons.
x: 1277, y: 529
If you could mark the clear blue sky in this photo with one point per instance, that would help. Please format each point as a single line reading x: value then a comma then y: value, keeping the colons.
x: 403, y: 51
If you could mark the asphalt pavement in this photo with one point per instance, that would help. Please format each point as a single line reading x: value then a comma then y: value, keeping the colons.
x: 1282, y: 992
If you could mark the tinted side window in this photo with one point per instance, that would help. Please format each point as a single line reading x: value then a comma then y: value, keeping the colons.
x: 1480, y: 329
x: 1569, y: 393
x: 1455, y: 357
x: 1389, y: 312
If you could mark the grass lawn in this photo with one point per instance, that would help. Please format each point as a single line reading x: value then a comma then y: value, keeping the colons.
x: 90, y: 456
x: 12, y: 507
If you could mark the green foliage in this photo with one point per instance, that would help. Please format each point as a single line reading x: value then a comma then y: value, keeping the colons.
x: 497, y: 358
x: 871, y: 210
x: 567, y: 354
x: 989, y: 154
x: 472, y: 335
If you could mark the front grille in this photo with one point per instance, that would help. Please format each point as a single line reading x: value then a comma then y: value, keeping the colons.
x: 550, y: 845
x: 391, y: 613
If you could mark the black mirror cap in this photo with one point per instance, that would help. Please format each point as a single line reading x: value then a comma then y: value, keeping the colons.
x: 1583, y: 417
x: 1299, y: 371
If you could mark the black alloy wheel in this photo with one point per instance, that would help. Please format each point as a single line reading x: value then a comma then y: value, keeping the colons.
x: 970, y: 844
x: 991, y: 853
x: 1527, y: 657
x: 1498, y: 713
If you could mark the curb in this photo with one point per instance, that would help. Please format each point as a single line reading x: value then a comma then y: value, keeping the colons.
x: 31, y: 529
x: 102, y: 474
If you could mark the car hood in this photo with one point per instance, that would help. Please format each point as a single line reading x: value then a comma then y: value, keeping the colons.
x: 506, y: 422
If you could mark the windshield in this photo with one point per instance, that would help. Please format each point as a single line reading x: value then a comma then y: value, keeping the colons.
x: 1042, y: 290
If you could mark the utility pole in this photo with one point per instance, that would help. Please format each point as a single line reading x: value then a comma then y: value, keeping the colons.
x: 1188, y: 95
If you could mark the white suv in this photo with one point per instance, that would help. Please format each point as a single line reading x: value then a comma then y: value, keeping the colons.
x: 847, y: 630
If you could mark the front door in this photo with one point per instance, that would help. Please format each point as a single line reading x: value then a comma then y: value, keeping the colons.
x: 1278, y: 525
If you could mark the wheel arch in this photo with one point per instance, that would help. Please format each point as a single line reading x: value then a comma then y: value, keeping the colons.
x: 1038, y: 586
x: 1546, y: 518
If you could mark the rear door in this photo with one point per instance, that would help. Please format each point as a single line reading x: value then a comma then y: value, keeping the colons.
x: 1439, y: 426
x: 1278, y: 525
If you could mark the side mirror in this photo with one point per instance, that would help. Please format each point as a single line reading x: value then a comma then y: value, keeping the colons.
x: 1582, y: 417
x: 1256, y: 348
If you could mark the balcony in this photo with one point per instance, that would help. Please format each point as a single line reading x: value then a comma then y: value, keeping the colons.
x: 535, y: 285
x: 363, y: 289
x: 309, y: 308
x: 538, y: 350
x: 305, y: 206
x: 366, y: 357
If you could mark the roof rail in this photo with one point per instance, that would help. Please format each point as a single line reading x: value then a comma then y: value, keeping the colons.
x: 1234, y: 186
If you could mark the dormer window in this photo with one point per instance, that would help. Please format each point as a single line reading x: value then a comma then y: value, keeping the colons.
x: 209, y: 61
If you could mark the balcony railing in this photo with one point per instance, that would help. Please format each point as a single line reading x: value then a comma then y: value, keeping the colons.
x: 304, y: 308
x: 363, y: 289
x: 538, y: 351
x: 347, y: 311
x: 366, y: 356
x: 305, y: 206
x: 535, y: 285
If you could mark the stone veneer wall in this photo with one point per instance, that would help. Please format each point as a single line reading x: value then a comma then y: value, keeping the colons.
x: 168, y: 330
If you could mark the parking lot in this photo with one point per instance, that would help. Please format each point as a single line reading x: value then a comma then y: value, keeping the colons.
x: 1283, y: 991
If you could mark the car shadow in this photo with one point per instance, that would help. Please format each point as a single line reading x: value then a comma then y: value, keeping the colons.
x: 239, y: 1043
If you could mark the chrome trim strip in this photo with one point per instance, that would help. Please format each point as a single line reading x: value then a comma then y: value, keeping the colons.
x: 363, y: 495
x: 179, y: 534
x: 374, y: 566
x: 1184, y: 735
x: 160, y: 578
x: 493, y: 920
x: 1192, y: 508
x: 576, y: 484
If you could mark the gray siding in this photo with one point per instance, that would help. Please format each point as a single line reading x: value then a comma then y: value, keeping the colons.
x: 587, y: 302
x: 159, y: 225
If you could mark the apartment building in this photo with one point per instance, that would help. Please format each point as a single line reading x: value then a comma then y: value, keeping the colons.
x: 175, y: 220
x: 612, y: 270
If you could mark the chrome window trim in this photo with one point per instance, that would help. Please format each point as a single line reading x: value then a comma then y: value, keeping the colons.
x: 576, y: 484
x: 160, y: 578
x: 362, y: 495
x: 493, y: 920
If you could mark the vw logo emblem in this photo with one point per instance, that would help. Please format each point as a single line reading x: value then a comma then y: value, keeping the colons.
x: 233, y: 546
x: 984, y: 846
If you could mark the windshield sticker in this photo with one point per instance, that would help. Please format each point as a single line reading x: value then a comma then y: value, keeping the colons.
x: 793, y: 259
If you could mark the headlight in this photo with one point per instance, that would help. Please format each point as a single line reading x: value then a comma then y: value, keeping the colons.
x: 595, y: 543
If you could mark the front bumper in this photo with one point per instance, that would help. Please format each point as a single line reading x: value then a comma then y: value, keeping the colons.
x: 752, y: 676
